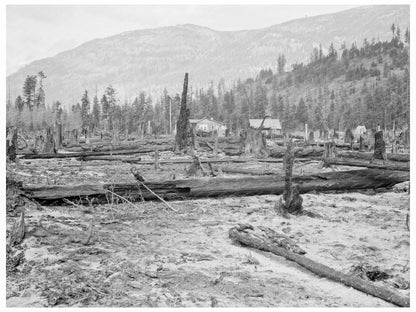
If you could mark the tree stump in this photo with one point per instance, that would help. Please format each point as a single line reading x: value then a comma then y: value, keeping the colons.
x: 58, y: 135
x: 349, y: 137
x: 196, y: 168
x: 49, y: 144
x: 195, y: 143
x: 329, y: 153
x: 157, y: 164
x: 215, y: 134
x: 361, y: 148
x: 311, y: 138
x: 18, y: 230
x: 379, y: 146
x: 73, y: 137
x: 11, y: 144
x: 290, y: 201
x: 253, y: 142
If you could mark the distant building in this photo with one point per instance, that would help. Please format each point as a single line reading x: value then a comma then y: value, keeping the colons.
x: 360, y: 130
x: 209, y: 125
x: 270, y: 126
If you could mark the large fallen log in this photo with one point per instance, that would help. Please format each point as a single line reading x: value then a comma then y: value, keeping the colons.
x: 212, y: 187
x: 99, y: 153
x: 105, y: 146
x: 247, y: 171
x: 300, y: 152
x: 259, y: 238
x: 138, y: 160
x: 369, y: 156
x: 388, y: 165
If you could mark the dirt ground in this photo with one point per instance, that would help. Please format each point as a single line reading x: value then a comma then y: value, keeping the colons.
x: 149, y: 256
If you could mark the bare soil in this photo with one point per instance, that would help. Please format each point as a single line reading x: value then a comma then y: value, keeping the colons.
x: 149, y: 256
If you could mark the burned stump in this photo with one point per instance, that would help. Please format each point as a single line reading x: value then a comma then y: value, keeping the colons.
x: 379, y: 146
x: 290, y: 201
x: 11, y: 144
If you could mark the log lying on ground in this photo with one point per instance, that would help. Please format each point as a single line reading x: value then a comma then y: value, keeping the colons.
x: 299, y: 152
x: 388, y: 165
x: 259, y: 238
x: 138, y: 161
x: 213, y: 187
x: 369, y: 156
x: 104, y: 153
x: 118, y: 147
x: 247, y: 171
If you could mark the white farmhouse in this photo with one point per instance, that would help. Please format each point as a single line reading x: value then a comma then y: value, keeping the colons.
x: 209, y: 125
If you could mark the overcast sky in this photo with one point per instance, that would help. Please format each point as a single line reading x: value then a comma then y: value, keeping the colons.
x: 35, y: 32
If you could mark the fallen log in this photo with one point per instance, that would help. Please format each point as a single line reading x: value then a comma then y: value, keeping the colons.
x: 213, y: 187
x: 104, y: 153
x: 375, y: 164
x: 183, y: 161
x: 117, y: 147
x: 259, y: 238
x: 247, y: 171
x: 300, y: 152
x: 369, y: 156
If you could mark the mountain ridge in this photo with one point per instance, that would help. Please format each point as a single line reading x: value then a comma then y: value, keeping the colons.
x: 154, y: 58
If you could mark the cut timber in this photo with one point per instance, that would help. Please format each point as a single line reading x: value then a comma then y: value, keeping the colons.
x: 369, y: 156
x: 105, y: 153
x: 258, y: 238
x: 375, y: 165
x: 211, y: 187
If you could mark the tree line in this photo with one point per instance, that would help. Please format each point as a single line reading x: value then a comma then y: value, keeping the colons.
x: 336, y: 90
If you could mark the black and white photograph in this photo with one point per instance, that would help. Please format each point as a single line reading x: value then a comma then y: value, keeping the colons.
x: 202, y: 155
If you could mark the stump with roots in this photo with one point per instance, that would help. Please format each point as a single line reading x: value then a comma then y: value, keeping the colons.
x: 291, y: 201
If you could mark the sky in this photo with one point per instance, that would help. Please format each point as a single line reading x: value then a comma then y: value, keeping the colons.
x: 38, y: 31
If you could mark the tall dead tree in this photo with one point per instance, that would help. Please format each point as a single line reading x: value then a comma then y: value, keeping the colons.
x: 183, y: 139
x: 290, y: 201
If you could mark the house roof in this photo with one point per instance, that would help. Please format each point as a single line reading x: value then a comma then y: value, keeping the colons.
x: 268, y: 123
x: 205, y: 118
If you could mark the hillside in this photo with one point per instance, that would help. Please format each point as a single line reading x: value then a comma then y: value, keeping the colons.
x: 156, y: 58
